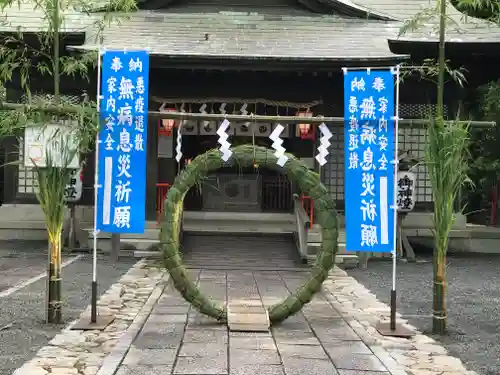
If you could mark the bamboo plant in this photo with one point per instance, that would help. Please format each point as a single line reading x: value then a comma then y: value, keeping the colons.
x: 20, y: 57
x: 446, y: 160
x: 446, y: 156
x: 52, y: 180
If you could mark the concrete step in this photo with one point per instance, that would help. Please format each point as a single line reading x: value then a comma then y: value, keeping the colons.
x: 313, y: 248
x: 314, y: 235
x: 238, y: 227
x: 343, y: 260
x: 233, y: 217
x: 28, y: 230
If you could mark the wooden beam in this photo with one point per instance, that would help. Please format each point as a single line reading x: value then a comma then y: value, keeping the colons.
x: 316, y: 120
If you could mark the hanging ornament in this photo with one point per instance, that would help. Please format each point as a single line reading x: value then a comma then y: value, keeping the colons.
x: 178, y: 147
x: 224, y: 144
x: 324, y: 143
x: 277, y: 145
x: 203, y: 111
x: 244, y: 112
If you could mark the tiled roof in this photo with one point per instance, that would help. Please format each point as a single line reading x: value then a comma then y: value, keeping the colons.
x: 180, y: 31
x: 460, y: 28
x: 27, y: 17
x: 252, y: 36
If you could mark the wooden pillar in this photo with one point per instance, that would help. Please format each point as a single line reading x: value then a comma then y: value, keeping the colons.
x: 151, y: 170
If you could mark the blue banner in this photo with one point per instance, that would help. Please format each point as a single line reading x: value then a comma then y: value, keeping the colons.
x: 369, y: 160
x: 121, y: 200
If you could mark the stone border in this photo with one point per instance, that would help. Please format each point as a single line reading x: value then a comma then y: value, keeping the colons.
x: 84, y: 352
x: 360, y: 308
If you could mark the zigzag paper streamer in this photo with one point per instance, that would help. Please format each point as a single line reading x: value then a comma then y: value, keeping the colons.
x: 203, y: 111
x: 277, y: 145
x: 178, y: 147
x: 224, y: 144
x: 324, y: 144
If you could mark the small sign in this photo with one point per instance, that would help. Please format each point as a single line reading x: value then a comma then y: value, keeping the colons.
x: 406, y: 191
x: 56, y: 140
x: 74, y: 189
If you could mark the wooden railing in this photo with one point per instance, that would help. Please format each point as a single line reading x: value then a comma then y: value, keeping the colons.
x: 308, y: 205
x: 303, y: 224
x: 161, y: 194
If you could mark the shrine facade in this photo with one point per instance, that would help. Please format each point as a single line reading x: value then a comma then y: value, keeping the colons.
x: 280, y: 57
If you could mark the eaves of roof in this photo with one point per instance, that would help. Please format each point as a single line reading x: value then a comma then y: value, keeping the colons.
x: 235, y: 35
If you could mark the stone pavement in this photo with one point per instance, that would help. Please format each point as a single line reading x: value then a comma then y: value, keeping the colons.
x: 157, y: 332
x: 334, y: 334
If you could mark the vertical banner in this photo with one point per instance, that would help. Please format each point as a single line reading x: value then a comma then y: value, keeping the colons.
x: 121, y: 201
x: 369, y: 155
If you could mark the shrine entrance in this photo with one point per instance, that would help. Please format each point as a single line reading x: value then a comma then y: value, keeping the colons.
x: 237, y: 189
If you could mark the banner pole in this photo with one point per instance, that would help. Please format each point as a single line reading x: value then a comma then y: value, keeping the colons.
x: 93, y: 315
x: 393, y: 329
x: 395, y: 205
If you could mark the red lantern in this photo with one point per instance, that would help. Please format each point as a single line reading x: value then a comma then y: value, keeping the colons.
x: 165, y: 126
x: 306, y: 131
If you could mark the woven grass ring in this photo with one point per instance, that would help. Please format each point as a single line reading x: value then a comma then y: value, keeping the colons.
x: 245, y: 156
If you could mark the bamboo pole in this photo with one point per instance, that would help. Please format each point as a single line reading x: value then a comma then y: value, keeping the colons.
x: 316, y: 120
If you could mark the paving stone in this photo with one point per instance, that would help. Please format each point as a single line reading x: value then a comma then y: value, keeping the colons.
x: 294, y: 337
x: 145, y: 370
x: 190, y: 349
x: 246, y: 356
x: 167, y: 318
x: 249, y: 334
x: 153, y: 340
x: 201, y: 366
x: 163, y: 328
x: 341, y: 348
x: 171, y: 309
x: 207, y: 337
x: 306, y: 366
x: 252, y: 343
x: 364, y: 362
x: 359, y: 372
x: 150, y: 357
x: 327, y: 335
x: 257, y: 370
x: 302, y: 351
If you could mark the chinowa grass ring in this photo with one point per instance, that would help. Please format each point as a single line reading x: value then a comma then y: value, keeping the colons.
x: 297, y: 172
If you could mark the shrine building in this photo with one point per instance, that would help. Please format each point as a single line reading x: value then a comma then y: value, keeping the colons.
x: 273, y: 57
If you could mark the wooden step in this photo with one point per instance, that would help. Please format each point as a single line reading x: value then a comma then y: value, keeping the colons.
x: 247, y: 316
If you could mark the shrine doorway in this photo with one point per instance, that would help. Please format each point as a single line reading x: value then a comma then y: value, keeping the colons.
x: 234, y: 189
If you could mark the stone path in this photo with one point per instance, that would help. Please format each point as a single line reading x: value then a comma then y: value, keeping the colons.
x: 334, y: 334
x: 83, y: 352
x: 157, y: 332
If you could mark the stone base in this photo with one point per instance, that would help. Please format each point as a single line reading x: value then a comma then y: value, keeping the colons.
x: 384, y: 328
x: 84, y: 323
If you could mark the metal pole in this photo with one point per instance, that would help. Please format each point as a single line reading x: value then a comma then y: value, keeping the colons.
x: 93, y: 314
x: 396, y: 162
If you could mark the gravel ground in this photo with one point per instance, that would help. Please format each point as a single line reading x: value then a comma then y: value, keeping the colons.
x: 24, y: 309
x: 473, y: 303
x: 20, y: 261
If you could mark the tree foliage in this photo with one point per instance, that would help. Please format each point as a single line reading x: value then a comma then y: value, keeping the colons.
x: 27, y: 56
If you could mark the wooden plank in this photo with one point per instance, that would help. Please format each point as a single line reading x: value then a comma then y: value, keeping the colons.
x: 247, y: 316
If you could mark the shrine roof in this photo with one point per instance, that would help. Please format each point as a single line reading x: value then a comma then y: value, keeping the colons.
x: 460, y: 28
x: 261, y: 33
x: 251, y: 35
